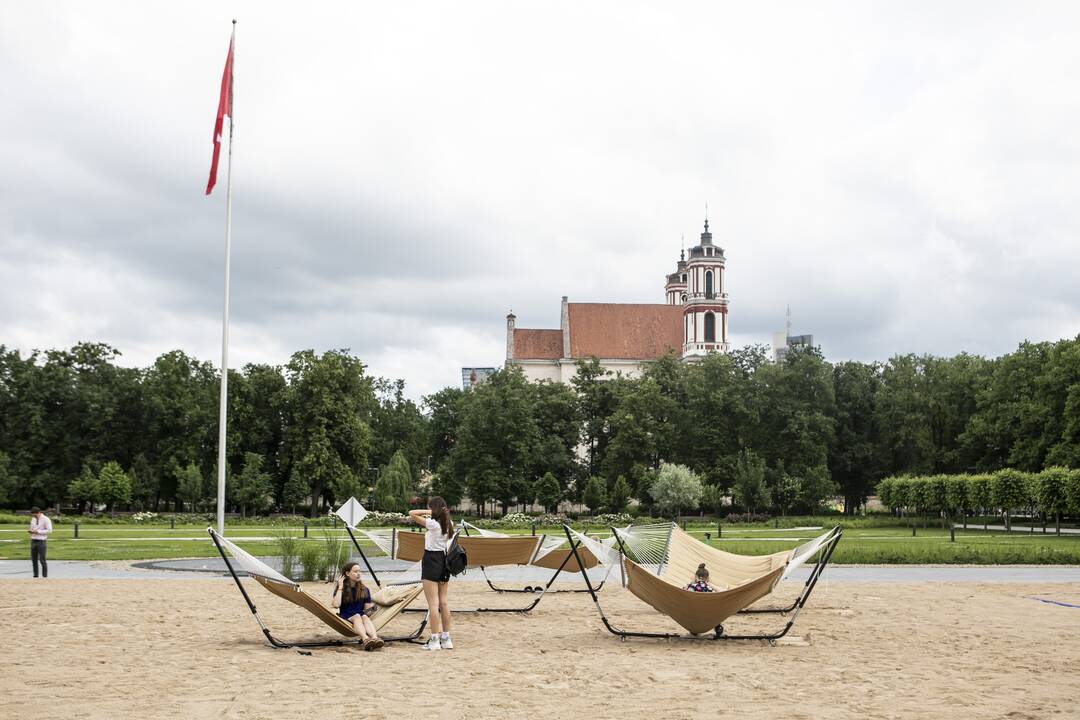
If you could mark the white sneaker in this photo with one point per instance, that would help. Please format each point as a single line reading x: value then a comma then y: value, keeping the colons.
x: 432, y: 644
x: 446, y: 643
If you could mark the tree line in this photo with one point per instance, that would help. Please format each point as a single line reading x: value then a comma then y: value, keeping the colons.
x: 75, y: 426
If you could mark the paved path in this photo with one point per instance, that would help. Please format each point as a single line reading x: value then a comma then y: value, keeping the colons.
x: 211, y: 568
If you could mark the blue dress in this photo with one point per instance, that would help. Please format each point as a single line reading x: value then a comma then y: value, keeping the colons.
x: 347, y: 610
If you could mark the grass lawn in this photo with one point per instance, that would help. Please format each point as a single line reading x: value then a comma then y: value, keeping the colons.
x: 873, y: 544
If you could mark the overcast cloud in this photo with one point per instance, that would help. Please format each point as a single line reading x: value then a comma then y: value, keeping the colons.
x: 904, y: 175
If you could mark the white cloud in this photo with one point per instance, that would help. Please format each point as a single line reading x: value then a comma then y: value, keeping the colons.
x: 903, y: 178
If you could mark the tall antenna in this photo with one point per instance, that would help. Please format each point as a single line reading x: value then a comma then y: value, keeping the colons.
x: 788, y: 325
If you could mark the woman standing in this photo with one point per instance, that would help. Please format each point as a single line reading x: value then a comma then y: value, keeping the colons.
x: 434, y: 573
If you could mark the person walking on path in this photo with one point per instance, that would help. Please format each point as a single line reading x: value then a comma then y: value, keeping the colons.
x: 433, y: 571
x: 40, y: 527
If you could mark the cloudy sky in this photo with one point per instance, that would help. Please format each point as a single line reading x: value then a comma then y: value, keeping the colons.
x: 904, y: 175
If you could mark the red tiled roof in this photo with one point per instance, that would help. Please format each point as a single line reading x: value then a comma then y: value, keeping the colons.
x: 537, y: 344
x: 623, y: 331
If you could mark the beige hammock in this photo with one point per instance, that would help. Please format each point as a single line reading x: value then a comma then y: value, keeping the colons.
x: 740, y: 580
x: 290, y: 590
x: 296, y: 595
x: 486, y: 551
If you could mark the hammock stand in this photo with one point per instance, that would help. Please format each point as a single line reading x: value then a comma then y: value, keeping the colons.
x: 270, y: 584
x: 824, y: 553
x: 394, y: 551
x: 547, y: 587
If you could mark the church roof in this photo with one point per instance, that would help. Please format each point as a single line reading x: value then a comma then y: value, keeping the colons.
x: 624, y: 331
x: 537, y: 344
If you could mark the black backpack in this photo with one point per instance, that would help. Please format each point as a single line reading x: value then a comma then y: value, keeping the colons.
x: 456, y: 559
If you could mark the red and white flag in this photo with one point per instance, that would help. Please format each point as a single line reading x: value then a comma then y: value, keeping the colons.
x: 224, y: 108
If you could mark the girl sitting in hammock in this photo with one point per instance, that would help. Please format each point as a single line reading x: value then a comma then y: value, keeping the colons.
x: 701, y: 580
x: 354, y: 604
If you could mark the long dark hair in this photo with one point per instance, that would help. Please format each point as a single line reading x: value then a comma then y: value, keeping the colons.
x: 441, y: 514
x: 351, y: 592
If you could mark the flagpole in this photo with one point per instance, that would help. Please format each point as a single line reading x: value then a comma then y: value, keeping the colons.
x: 225, y: 311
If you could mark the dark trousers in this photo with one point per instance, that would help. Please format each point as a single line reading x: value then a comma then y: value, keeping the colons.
x: 37, y: 554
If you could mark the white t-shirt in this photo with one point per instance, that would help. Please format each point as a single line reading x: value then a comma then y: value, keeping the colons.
x: 434, y: 538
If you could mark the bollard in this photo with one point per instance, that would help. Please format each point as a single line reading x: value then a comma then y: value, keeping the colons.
x: 76, y: 531
x: 305, y: 528
x: 913, y: 530
x: 172, y: 522
x: 952, y: 533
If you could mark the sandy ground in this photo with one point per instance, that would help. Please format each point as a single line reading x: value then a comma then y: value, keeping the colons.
x: 189, y: 648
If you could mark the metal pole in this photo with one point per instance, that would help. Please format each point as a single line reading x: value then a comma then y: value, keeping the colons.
x: 225, y: 306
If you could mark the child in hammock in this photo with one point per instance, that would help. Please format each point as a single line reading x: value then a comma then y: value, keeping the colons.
x: 354, y: 604
x: 701, y: 580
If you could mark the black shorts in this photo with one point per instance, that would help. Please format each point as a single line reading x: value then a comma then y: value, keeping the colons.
x: 433, y: 566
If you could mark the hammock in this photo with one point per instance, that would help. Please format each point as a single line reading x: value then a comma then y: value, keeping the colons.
x: 290, y: 590
x: 659, y: 561
x: 552, y: 556
x: 481, y: 551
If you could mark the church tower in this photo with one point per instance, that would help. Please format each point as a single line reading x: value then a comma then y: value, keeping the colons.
x: 705, y: 299
x: 675, y: 287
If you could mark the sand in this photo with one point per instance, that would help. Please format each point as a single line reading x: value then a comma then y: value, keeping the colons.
x: 189, y: 648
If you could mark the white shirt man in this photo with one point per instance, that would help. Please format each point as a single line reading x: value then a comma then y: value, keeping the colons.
x: 40, y: 527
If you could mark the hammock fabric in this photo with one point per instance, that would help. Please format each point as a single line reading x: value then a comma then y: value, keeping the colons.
x: 288, y: 589
x: 742, y: 579
x: 296, y: 595
x: 488, y: 551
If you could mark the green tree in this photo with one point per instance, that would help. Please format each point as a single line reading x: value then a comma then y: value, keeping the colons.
x: 393, y: 491
x: 749, y: 488
x: 189, y: 485
x: 596, y: 402
x: 619, y: 495
x: 548, y: 492
x: 676, y: 488
x: 114, y: 485
x: 295, y: 492
x: 7, y: 481
x: 853, y: 460
x: 330, y: 400
x: 712, y: 499
x: 595, y: 495
x: 1009, y: 490
x: 448, y: 484
x: 498, y: 438
x: 84, y: 489
x: 252, y: 486
x: 1049, y: 491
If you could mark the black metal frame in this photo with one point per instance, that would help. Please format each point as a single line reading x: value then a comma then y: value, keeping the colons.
x: 280, y: 644
x: 534, y: 589
x: 527, y: 608
x: 818, y: 567
x: 825, y: 552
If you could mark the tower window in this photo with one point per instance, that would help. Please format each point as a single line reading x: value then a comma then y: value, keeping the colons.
x: 710, y: 327
x: 708, y: 285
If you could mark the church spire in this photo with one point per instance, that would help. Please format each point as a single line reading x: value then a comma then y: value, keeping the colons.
x: 706, y: 237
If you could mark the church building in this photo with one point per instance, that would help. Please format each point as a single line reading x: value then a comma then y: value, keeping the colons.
x: 692, y: 322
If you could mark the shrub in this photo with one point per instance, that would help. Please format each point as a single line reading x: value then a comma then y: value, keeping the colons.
x: 747, y: 517
x: 313, y: 560
x: 335, y: 552
x: 287, y: 548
